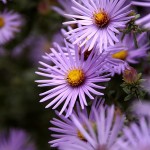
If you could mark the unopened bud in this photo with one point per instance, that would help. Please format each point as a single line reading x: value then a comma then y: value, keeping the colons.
x: 130, y: 76
x: 43, y: 7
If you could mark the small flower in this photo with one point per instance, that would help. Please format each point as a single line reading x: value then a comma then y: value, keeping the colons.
x: 127, y: 52
x: 135, y: 137
x: 102, y: 136
x: 144, y: 21
x: 64, y: 129
x: 16, y: 140
x: 10, y: 23
x: 71, y: 78
x: 99, y: 22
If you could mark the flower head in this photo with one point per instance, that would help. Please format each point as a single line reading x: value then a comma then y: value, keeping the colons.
x: 99, y: 22
x: 99, y: 134
x: 10, y: 23
x: 127, y: 52
x: 64, y: 129
x: 71, y: 78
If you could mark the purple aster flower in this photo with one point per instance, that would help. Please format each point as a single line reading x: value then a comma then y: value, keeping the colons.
x: 144, y: 21
x: 71, y: 78
x: 99, y: 134
x: 64, y: 128
x: 16, y: 140
x: 10, y: 23
x: 99, y: 21
x: 135, y: 137
x: 127, y: 52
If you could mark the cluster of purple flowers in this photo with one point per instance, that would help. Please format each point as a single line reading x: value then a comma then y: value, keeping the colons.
x: 97, y: 45
x: 102, y: 38
x: 94, y: 50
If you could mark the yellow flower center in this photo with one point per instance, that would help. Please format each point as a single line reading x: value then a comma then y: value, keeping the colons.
x: 75, y: 77
x: 120, y: 55
x: 2, y: 22
x: 101, y: 19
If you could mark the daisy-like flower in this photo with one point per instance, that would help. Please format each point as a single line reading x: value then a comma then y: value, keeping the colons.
x: 71, y: 78
x: 64, y: 128
x: 127, y: 52
x: 100, y: 134
x: 144, y: 21
x: 99, y: 21
x: 16, y: 140
x: 135, y: 137
x: 10, y: 23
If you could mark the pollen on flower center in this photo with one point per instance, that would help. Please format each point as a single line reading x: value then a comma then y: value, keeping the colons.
x: 2, y: 22
x: 75, y: 77
x: 101, y: 19
x: 120, y: 55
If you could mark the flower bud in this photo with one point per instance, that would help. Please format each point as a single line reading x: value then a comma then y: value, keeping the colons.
x: 43, y: 7
x: 130, y: 76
